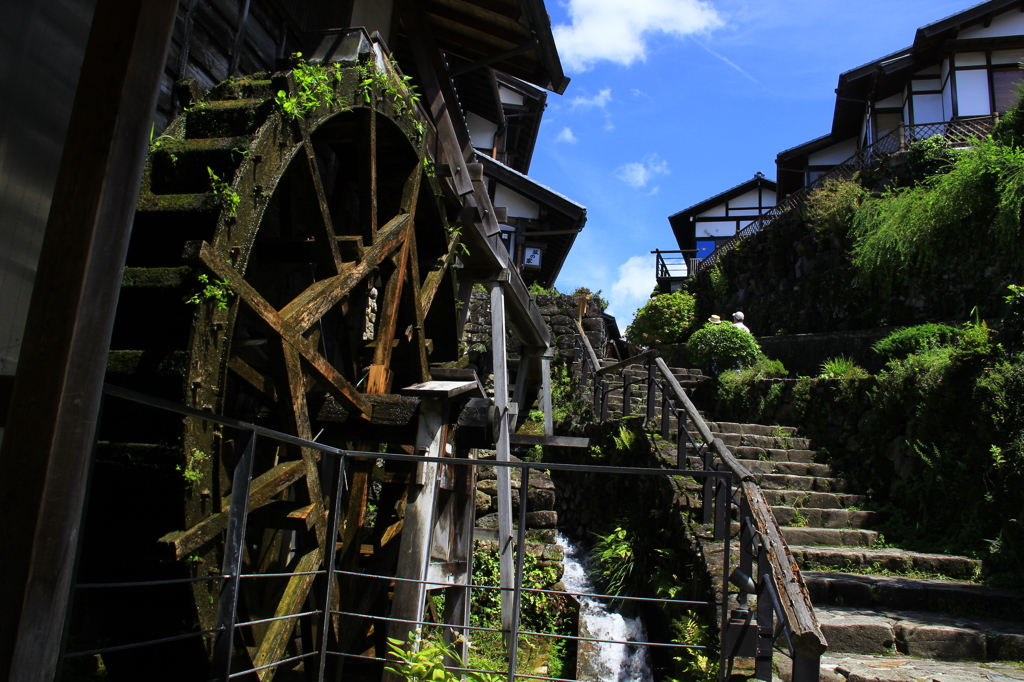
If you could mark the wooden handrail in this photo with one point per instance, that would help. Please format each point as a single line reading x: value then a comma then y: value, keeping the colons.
x: 805, y: 634
x: 591, y: 355
x: 628, y: 361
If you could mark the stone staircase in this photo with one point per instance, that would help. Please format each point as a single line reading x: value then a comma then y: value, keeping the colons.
x: 888, y: 614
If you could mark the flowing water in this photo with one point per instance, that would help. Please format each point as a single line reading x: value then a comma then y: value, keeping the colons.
x: 603, y: 661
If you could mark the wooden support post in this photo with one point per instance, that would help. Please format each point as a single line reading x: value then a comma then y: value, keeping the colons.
x: 503, y: 455
x: 545, y: 393
x: 51, y: 426
x: 465, y: 299
x: 652, y: 385
x: 414, y: 555
x: 765, y: 618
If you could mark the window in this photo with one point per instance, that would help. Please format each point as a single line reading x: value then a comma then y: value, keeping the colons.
x: 1005, y: 84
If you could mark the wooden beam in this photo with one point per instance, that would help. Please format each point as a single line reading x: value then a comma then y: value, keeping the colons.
x: 262, y: 492
x: 279, y: 633
x: 503, y: 454
x: 335, y: 382
x: 305, y: 310
x: 51, y: 425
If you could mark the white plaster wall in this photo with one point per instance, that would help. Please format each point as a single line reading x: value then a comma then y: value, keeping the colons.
x: 716, y: 229
x: 509, y: 96
x: 837, y: 153
x: 928, y: 109
x: 747, y: 199
x: 1007, y: 56
x: 890, y: 102
x: 1009, y: 23
x: 518, y: 205
x: 481, y: 131
x: 972, y: 93
x: 714, y: 211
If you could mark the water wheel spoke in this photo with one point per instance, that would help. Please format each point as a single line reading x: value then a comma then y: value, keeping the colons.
x: 295, y: 416
x: 305, y: 309
x: 263, y: 490
x: 323, y: 229
x: 279, y: 633
x: 338, y: 385
x: 432, y: 282
x: 253, y: 377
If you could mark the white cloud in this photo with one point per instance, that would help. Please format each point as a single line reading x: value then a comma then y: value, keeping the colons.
x: 632, y: 288
x: 618, y: 31
x: 598, y: 101
x: 639, y: 173
x: 565, y: 135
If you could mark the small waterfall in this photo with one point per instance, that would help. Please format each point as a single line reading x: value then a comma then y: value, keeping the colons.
x: 599, y: 661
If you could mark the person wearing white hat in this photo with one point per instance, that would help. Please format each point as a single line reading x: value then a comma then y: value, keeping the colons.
x: 715, y: 319
x: 737, y: 321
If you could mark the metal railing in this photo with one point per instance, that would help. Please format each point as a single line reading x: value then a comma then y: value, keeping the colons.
x: 784, y: 607
x: 228, y: 633
x: 675, y: 264
x: 959, y: 133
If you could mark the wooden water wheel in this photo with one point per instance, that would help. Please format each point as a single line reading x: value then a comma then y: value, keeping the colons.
x: 290, y: 264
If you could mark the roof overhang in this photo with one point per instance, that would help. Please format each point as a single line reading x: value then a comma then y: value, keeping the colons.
x: 512, y: 36
x: 564, y: 218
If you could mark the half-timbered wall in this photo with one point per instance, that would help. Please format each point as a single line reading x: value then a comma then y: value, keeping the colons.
x: 722, y: 221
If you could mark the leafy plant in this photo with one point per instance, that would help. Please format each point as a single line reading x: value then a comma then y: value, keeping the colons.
x: 224, y: 192
x: 842, y: 367
x: 830, y: 208
x: 1013, y: 322
x: 903, y: 342
x: 422, y: 660
x: 193, y: 462
x: 722, y: 346
x: 694, y: 664
x: 315, y: 87
x: 663, y: 319
x: 595, y: 296
x: 639, y: 559
x: 719, y: 282
x: 212, y: 290
x: 976, y: 205
x: 537, y: 290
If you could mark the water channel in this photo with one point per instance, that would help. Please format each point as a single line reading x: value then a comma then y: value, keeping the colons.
x: 599, y: 661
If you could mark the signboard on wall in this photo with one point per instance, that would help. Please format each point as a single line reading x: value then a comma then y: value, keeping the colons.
x: 532, y: 257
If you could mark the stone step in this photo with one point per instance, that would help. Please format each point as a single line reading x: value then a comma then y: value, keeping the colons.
x: 752, y: 429
x: 788, y: 468
x: 773, y: 454
x: 919, y: 633
x: 802, y: 483
x: 824, y: 518
x: 836, y: 537
x: 896, y: 668
x: 884, y: 559
x: 914, y: 594
x: 773, y: 442
x: 813, y: 500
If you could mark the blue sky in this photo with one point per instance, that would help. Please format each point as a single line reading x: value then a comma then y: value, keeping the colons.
x: 674, y: 101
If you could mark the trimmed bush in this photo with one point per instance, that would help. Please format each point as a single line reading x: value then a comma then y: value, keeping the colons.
x: 722, y: 346
x: 663, y: 319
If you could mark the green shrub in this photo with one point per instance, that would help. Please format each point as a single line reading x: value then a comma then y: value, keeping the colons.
x: 1009, y: 131
x: 422, y: 660
x: 663, y: 319
x: 831, y: 207
x: 1013, y: 322
x: 977, y: 205
x: 722, y: 346
x: 842, y: 367
x: 903, y: 342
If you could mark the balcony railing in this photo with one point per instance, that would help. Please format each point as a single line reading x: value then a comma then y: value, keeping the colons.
x: 675, y: 265
x: 959, y: 133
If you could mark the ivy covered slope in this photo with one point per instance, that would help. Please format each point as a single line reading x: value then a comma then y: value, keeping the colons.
x: 930, y: 234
